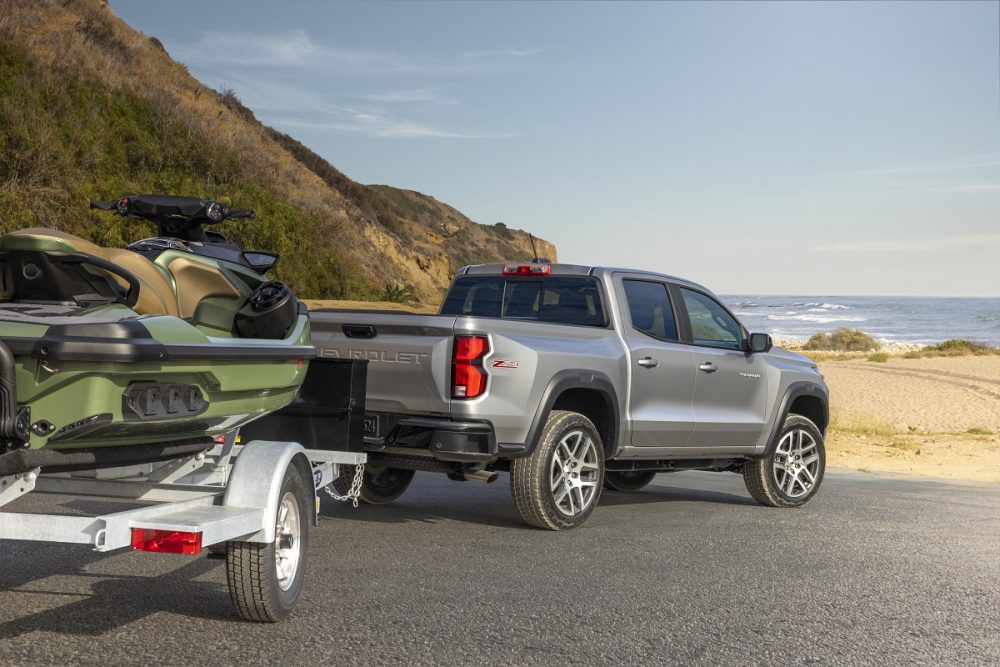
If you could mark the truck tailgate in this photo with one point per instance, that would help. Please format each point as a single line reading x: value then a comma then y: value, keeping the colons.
x: 409, y: 355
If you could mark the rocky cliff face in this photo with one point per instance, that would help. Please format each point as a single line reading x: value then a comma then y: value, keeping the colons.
x: 90, y: 108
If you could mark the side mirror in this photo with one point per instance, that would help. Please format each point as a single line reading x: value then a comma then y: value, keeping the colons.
x: 760, y: 342
x: 260, y: 261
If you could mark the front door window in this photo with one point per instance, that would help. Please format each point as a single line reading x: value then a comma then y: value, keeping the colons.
x: 710, y: 323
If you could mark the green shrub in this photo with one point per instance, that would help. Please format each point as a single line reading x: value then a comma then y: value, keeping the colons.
x: 843, y: 340
x: 957, y: 347
x: 880, y: 357
x: 397, y: 293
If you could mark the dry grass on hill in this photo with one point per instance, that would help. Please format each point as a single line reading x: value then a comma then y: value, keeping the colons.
x: 338, y: 237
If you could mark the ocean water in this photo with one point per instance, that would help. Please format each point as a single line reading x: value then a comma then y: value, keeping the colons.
x: 889, y: 319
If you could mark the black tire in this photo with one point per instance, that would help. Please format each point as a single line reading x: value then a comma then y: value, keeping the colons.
x: 532, y: 477
x: 627, y: 480
x: 257, y: 590
x: 377, y: 488
x: 790, y: 476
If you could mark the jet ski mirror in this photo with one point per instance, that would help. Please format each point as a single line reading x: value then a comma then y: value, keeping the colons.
x: 260, y: 261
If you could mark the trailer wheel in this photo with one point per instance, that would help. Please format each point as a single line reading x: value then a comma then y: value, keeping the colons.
x: 265, y: 580
x: 558, y: 485
x: 377, y: 488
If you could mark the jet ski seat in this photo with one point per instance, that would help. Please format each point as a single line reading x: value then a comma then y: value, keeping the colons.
x: 156, y: 292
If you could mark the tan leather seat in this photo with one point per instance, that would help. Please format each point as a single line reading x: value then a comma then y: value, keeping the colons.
x: 156, y: 293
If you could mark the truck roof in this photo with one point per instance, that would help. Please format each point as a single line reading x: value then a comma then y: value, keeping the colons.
x: 577, y: 270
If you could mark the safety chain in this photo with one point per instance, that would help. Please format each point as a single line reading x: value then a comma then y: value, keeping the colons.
x: 355, y: 491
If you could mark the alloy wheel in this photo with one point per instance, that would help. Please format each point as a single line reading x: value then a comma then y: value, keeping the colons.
x: 575, y: 473
x: 796, y: 463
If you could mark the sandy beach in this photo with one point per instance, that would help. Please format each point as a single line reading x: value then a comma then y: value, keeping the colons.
x: 938, y: 417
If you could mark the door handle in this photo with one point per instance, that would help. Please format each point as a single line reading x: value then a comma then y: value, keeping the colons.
x: 648, y: 362
x: 708, y: 367
x: 359, y: 331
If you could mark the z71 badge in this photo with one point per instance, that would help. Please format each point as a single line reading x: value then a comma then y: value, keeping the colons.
x: 501, y: 363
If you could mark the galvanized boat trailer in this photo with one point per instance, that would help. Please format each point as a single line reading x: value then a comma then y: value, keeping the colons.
x: 251, y: 504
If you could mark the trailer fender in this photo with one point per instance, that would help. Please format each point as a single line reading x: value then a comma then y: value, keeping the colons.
x: 255, y: 481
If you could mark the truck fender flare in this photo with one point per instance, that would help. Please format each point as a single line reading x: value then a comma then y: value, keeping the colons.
x: 573, y: 379
x: 256, y: 480
x: 794, y: 391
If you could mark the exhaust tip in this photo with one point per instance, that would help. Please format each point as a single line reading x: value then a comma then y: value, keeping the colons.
x: 481, y: 476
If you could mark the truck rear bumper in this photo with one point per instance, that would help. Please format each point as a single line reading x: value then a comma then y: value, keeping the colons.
x: 444, y: 439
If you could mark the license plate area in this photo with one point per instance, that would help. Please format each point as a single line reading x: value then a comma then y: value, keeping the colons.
x: 373, y: 426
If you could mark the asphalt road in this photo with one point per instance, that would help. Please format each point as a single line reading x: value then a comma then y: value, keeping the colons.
x: 690, y: 570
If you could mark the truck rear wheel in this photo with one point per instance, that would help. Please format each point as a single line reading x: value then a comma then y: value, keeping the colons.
x: 558, y: 485
x: 265, y: 580
x: 627, y: 480
x: 791, y: 475
x: 377, y: 488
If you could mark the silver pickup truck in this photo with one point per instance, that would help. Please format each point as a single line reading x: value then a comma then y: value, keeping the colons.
x: 575, y: 379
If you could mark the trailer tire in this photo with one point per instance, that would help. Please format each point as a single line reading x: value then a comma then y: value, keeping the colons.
x: 377, y: 488
x: 557, y: 486
x: 262, y: 590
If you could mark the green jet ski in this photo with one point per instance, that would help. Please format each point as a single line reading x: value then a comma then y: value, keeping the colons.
x: 111, y: 357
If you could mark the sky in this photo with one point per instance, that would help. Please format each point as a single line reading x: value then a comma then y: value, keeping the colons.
x: 757, y: 148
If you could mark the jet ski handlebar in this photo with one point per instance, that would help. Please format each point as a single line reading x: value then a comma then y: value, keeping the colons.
x: 175, y: 217
x: 173, y: 212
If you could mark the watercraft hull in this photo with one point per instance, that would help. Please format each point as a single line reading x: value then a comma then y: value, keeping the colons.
x: 146, y: 380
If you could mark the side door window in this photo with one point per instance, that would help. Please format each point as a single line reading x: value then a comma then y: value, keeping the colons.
x: 711, y: 324
x: 649, y: 309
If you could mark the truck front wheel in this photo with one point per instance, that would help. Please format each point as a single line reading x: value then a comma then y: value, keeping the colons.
x: 558, y: 485
x: 791, y: 475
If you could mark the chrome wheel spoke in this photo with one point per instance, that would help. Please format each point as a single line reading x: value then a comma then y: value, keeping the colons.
x: 562, y: 494
x: 578, y: 493
x: 791, y: 484
x: 810, y: 478
x: 577, y: 445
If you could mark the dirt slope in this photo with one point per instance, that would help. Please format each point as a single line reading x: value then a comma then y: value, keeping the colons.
x: 90, y: 107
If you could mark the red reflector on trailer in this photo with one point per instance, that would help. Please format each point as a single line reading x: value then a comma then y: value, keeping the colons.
x: 166, y: 541
x: 527, y: 269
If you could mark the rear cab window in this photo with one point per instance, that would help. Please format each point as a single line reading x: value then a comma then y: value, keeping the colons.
x: 649, y: 309
x: 573, y: 300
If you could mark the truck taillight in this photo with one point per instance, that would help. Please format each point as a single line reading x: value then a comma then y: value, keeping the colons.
x: 468, y: 375
x: 541, y: 269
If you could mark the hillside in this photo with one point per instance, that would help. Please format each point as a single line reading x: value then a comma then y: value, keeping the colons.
x: 90, y: 108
